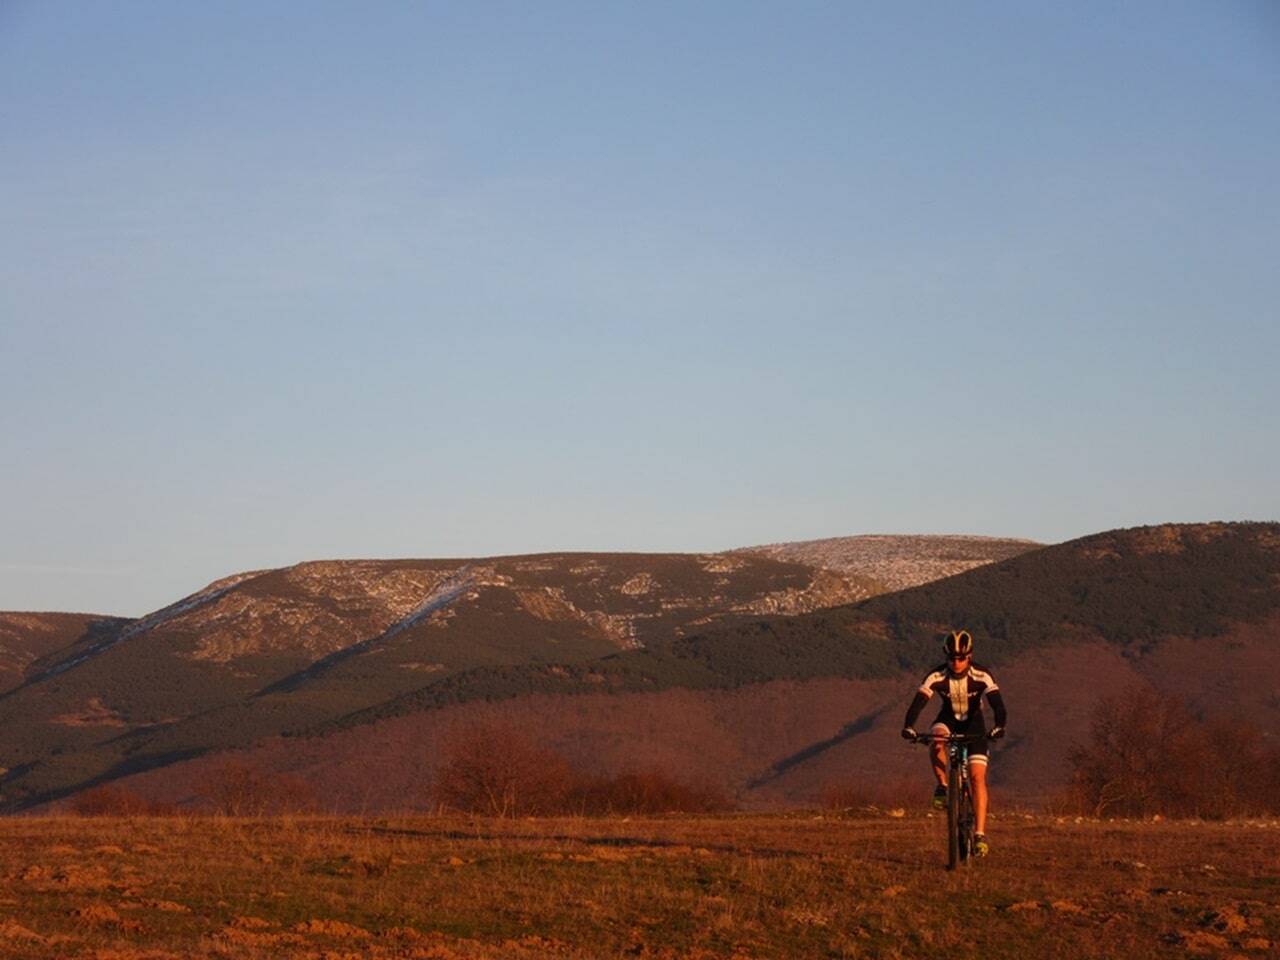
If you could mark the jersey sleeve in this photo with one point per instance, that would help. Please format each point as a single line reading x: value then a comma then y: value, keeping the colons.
x: 923, y: 696
x: 926, y: 685
x: 991, y: 690
x: 1000, y: 715
x: 913, y: 711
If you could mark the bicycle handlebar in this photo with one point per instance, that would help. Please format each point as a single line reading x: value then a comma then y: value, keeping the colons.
x: 951, y: 738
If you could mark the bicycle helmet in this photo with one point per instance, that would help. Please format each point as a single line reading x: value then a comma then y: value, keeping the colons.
x: 958, y: 644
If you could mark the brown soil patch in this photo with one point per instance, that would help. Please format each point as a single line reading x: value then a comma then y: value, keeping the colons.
x: 1200, y: 942
x: 96, y: 913
x: 9, y: 930
x: 94, y: 714
x: 252, y: 938
x: 332, y: 928
x: 82, y: 878
x: 102, y: 915
x: 1225, y: 920
x: 250, y: 923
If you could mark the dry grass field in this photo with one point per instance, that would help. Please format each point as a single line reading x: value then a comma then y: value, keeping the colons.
x: 804, y: 885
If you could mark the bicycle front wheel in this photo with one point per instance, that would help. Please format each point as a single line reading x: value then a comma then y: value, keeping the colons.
x: 967, y: 824
x: 953, y: 818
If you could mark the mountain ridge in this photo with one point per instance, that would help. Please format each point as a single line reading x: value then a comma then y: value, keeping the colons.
x: 261, y: 652
x: 1131, y: 591
x: 1193, y: 610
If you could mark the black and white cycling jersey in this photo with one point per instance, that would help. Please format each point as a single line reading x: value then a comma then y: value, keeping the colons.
x: 962, y: 695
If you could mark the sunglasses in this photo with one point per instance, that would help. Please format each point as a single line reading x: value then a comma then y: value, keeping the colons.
x: 959, y: 659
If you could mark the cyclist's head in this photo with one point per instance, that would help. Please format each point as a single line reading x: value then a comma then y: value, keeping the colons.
x: 958, y: 647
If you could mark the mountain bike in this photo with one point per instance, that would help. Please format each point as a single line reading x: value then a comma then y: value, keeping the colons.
x: 961, y: 822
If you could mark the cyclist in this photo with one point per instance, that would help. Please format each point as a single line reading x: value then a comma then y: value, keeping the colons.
x: 962, y: 684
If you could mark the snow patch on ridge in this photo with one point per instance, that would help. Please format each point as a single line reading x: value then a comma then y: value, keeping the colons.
x: 208, y: 595
x: 446, y: 592
x: 457, y: 585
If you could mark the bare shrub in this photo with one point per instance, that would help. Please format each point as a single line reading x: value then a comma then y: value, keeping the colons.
x: 109, y: 800
x: 1067, y: 801
x: 236, y: 788
x: 648, y: 791
x: 1244, y: 776
x: 497, y: 771
x: 1149, y: 754
x: 500, y: 772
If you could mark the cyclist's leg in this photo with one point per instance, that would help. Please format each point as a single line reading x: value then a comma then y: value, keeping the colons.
x: 938, y: 753
x: 977, y: 770
x: 978, y: 777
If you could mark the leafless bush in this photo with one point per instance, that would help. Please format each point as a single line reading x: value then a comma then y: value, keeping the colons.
x: 499, y: 772
x: 110, y: 800
x: 236, y: 788
x: 649, y: 791
x: 1149, y: 754
x: 1068, y: 801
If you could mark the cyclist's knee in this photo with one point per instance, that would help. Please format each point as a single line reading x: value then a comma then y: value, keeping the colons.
x: 939, y: 731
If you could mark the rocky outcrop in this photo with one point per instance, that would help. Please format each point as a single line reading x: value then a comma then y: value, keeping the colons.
x: 897, y: 562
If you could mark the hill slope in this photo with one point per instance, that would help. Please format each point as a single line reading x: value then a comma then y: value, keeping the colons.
x: 1129, y: 588
x: 670, y: 660
x: 270, y: 651
x: 25, y: 638
x: 776, y: 708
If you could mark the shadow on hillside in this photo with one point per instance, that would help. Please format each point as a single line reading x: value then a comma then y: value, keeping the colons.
x: 132, y: 765
x: 860, y: 725
x: 99, y: 634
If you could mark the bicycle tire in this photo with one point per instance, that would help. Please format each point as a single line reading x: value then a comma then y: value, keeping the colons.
x: 967, y: 824
x: 953, y: 818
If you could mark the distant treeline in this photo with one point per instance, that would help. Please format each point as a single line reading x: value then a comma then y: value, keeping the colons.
x: 1147, y: 754
x: 487, y: 769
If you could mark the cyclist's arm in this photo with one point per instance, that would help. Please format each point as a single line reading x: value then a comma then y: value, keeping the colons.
x: 923, y: 695
x: 997, y: 708
x: 913, y: 711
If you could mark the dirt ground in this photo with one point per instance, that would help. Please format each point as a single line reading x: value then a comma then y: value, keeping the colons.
x: 803, y: 885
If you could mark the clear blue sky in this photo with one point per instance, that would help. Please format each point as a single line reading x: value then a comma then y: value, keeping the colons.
x: 287, y: 281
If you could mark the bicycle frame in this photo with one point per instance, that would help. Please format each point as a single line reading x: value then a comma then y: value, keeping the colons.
x: 961, y: 821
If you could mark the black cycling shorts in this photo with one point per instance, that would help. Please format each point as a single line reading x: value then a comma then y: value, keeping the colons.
x: 973, y: 725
